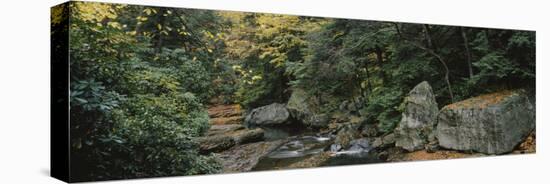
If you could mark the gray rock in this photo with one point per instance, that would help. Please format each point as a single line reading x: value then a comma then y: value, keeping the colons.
x: 248, y: 136
x: 492, y: 124
x: 388, y: 139
x: 269, y: 115
x: 215, y: 143
x: 222, y: 137
x: 384, y: 141
x: 418, y: 119
x: 223, y: 129
x: 377, y: 143
x: 369, y: 130
x: 360, y: 145
x: 319, y: 120
x: 343, y: 106
x: 302, y: 108
x: 352, y: 107
x: 244, y: 157
x: 335, y: 147
x: 346, y: 133
x: 431, y: 147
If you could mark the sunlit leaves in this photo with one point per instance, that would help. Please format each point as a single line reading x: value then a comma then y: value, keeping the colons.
x: 58, y: 14
x: 95, y: 12
x: 149, y: 11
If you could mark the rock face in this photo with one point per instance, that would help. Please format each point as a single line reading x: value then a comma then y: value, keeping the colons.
x: 222, y: 137
x: 243, y: 158
x: 301, y: 108
x: 346, y: 133
x: 225, y: 111
x: 360, y: 145
x: 384, y: 141
x: 215, y: 143
x: 369, y: 130
x: 269, y: 115
x: 492, y: 124
x: 225, y: 114
x: 419, y: 118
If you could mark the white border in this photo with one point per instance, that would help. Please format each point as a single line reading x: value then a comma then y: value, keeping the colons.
x: 24, y: 92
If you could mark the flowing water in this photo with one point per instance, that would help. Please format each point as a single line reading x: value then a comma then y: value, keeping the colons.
x: 302, y: 144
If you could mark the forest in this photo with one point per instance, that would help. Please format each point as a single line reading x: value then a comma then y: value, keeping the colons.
x: 146, y: 83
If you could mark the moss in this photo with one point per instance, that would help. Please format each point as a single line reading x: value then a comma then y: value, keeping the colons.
x: 482, y: 101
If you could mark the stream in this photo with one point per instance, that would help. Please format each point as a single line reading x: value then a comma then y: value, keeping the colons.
x: 302, y: 144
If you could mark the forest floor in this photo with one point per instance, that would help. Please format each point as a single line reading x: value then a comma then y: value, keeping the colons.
x: 436, y: 155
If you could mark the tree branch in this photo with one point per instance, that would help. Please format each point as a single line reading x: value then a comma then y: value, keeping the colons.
x: 431, y: 52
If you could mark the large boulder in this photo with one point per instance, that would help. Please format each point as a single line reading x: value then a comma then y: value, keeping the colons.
x: 492, y: 124
x: 418, y: 119
x: 269, y: 115
x: 302, y: 108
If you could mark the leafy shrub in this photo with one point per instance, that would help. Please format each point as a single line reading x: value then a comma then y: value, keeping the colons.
x: 153, y: 136
x: 90, y: 95
x: 145, y: 79
x: 194, y: 78
x: 134, y: 110
x: 382, y: 106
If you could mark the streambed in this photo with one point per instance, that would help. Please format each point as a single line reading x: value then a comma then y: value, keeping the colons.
x: 304, y: 145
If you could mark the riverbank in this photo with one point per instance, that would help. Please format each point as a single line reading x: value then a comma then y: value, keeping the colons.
x: 241, y: 149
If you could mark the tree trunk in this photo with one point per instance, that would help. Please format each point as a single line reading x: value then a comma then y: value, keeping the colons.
x: 161, y: 23
x: 138, y: 25
x: 432, y: 52
x: 380, y: 59
x: 468, y: 53
x: 428, y: 37
x: 440, y: 59
x: 369, y: 86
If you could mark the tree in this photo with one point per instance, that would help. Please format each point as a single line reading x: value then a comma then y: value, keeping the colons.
x: 262, y: 46
x: 136, y: 110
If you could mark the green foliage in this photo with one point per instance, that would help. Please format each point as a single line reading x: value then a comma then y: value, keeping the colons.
x: 91, y: 96
x: 135, y: 109
x: 153, y: 136
x: 263, y: 45
x: 195, y: 79
x: 504, y: 60
x: 494, y: 66
x: 145, y: 79
x: 257, y: 94
x: 167, y: 72
x: 180, y: 109
x: 141, y: 76
x: 224, y: 83
x: 374, y: 60
x: 382, y: 106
